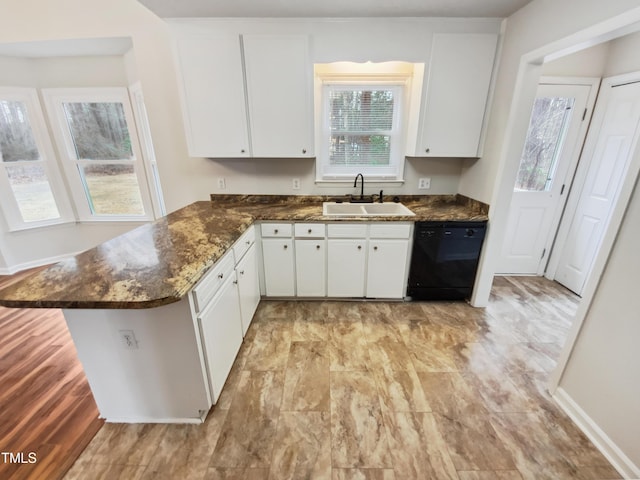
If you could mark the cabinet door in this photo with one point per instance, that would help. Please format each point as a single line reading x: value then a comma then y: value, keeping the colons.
x: 278, y: 259
x: 387, y: 268
x: 279, y: 94
x: 212, y: 94
x: 248, y: 287
x: 346, y: 267
x: 458, y: 82
x: 221, y: 330
x: 310, y: 268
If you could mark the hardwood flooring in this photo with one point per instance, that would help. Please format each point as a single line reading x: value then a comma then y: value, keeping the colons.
x: 355, y: 390
x: 46, y: 406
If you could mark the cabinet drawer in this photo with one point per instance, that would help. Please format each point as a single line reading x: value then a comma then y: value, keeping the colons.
x: 390, y: 230
x: 207, y: 287
x: 347, y: 230
x: 309, y: 230
x: 275, y: 229
x: 243, y: 243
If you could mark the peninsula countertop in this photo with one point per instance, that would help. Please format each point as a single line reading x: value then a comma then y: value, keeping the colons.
x: 158, y: 263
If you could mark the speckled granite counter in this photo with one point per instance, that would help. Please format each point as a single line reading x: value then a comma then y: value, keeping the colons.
x: 158, y: 263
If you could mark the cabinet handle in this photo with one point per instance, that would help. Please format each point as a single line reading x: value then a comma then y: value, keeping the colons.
x: 221, y: 276
x: 375, y: 248
x: 427, y: 150
x: 317, y: 247
x: 359, y: 247
x: 286, y: 246
x: 304, y: 150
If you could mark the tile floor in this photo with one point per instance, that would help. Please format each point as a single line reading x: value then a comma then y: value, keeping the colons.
x: 378, y: 391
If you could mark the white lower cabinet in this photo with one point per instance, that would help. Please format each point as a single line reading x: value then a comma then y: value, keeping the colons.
x: 386, y: 268
x: 248, y: 286
x: 346, y: 266
x: 279, y: 273
x: 221, y: 331
x: 311, y: 266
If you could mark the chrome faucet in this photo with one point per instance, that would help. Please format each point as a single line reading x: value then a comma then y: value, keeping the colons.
x: 355, y: 183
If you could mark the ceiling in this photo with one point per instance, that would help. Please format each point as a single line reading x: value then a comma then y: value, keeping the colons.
x: 334, y: 8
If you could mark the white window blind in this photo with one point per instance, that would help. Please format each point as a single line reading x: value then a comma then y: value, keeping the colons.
x: 361, y: 131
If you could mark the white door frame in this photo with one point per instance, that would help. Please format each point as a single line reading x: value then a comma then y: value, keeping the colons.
x: 572, y: 162
x: 528, y: 76
x: 583, y: 169
x: 600, y: 261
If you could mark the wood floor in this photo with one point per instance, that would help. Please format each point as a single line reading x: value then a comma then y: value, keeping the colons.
x: 46, y: 406
x: 377, y: 391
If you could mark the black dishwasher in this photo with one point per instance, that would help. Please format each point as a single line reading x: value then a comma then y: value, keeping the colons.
x: 445, y: 259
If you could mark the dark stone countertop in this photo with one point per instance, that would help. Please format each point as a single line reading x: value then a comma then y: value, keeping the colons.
x: 158, y: 263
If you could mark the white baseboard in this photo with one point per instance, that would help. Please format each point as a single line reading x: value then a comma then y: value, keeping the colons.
x: 599, y: 438
x: 34, y: 263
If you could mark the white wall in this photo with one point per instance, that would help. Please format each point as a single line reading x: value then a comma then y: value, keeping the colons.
x: 534, y: 33
x: 623, y: 55
x: 603, y: 370
x: 590, y: 62
x: 358, y: 40
x: 602, y: 373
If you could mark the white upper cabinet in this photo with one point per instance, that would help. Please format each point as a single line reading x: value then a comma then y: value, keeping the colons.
x: 212, y: 91
x: 457, y: 86
x: 221, y: 74
x: 279, y: 95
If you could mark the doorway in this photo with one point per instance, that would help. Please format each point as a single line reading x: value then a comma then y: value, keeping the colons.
x: 605, y: 163
x: 556, y: 133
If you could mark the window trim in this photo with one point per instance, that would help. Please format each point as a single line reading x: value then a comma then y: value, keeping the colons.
x: 401, y: 82
x: 8, y: 201
x: 54, y: 99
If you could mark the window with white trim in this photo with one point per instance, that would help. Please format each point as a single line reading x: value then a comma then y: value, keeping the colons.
x: 100, y: 152
x: 363, y: 116
x: 31, y: 191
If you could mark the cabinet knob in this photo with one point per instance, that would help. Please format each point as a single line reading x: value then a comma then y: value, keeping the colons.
x: 309, y: 231
x: 375, y: 248
x: 275, y: 231
x: 221, y: 276
x: 241, y: 272
x: 286, y: 246
x: 235, y: 282
x: 317, y: 247
x: 248, y: 242
x: 304, y: 150
x: 427, y: 150
x: 359, y: 247
x: 242, y: 151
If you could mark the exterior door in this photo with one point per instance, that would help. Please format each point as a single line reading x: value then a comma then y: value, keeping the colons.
x: 608, y: 156
x: 549, y: 158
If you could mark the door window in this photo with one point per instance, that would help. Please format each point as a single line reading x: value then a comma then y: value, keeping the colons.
x: 547, y: 130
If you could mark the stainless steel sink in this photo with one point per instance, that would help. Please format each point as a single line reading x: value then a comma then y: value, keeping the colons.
x: 389, y: 209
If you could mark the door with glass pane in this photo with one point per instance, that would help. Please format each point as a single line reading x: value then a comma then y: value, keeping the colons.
x: 547, y: 164
x: 100, y: 152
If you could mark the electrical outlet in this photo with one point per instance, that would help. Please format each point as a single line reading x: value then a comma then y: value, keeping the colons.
x: 128, y: 339
x: 295, y: 183
x: 424, y: 183
x: 222, y: 183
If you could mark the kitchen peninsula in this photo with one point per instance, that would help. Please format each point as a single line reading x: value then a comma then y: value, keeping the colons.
x: 136, y: 305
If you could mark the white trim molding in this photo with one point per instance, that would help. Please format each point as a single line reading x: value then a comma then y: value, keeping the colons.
x: 598, y: 437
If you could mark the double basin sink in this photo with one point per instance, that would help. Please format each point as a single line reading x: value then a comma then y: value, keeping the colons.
x: 387, y: 209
